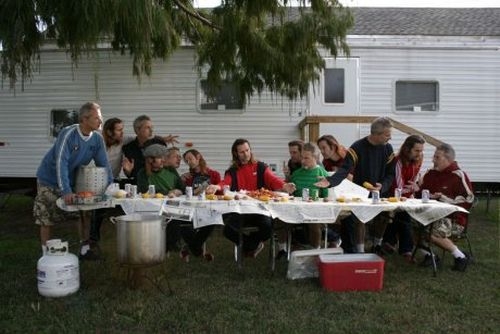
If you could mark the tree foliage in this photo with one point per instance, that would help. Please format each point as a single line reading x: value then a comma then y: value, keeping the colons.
x: 257, y: 44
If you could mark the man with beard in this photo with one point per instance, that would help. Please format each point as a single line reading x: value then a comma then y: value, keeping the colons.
x: 248, y: 173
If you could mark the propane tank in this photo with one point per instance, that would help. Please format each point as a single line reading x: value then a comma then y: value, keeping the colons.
x: 57, y: 270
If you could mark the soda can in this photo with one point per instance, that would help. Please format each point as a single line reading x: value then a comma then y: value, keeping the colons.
x: 375, y: 196
x: 225, y: 190
x: 331, y: 194
x: 128, y: 189
x: 151, y: 190
x: 397, y: 193
x: 425, y: 195
x: 305, y: 194
x: 201, y: 196
x: 189, y: 193
x: 133, y: 191
x: 314, y: 194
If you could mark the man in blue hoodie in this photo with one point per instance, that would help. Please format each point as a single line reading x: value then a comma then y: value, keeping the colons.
x: 76, y: 145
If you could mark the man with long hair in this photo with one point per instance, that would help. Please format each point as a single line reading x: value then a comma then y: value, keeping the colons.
x: 198, y: 177
x: 408, y: 163
x: 333, y: 153
x: 247, y: 173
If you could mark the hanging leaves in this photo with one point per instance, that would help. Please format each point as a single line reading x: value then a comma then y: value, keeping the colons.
x: 258, y: 44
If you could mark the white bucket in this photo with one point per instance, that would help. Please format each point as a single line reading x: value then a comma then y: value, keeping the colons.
x: 58, y: 271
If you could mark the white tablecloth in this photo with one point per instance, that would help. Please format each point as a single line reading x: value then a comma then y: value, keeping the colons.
x: 209, y: 212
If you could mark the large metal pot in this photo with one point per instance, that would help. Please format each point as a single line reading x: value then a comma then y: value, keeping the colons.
x: 91, y: 178
x: 140, y: 239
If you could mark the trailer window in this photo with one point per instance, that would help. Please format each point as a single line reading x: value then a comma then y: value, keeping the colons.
x: 226, y: 98
x: 334, y: 82
x: 417, y: 96
x: 59, y: 118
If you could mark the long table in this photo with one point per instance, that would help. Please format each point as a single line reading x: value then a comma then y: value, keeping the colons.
x: 209, y: 212
x: 296, y: 211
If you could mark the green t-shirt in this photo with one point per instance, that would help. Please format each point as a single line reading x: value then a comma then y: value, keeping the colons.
x: 306, y: 178
x: 164, y: 180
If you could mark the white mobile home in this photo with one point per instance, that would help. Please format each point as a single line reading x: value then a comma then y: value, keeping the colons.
x: 436, y: 70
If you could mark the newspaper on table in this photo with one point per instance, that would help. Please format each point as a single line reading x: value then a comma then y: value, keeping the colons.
x: 348, y: 189
x: 174, y: 211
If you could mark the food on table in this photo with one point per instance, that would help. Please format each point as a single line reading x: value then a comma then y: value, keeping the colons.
x: 160, y: 195
x: 84, y: 194
x: 227, y: 197
x: 264, y: 198
x: 368, y: 185
x: 266, y: 195
x: 120, y: 193
x: 341, y: 199
x: 393, y: 199
x: 211, y: 197
x: 146, y: 195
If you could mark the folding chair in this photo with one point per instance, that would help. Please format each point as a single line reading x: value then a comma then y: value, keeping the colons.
x: 463, y: 236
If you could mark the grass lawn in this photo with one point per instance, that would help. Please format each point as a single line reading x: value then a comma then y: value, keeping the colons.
x: 218, y: 298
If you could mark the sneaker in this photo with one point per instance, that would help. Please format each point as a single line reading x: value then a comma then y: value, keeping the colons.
x: 427, y: 261
x: 184, y: 255
x: 90, y: 255
x: 460, y: 264
x: 336, y: 243
x: 209, y: 257
x: 89, y: 251
x: 256, y: 251
x: 282, y: 254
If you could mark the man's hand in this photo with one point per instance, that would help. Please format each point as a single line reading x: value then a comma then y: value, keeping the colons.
x: 322, y: 183
x: 212, y: 189
x: 171, y: 139
x: 289, y: 188
x: 127, y: 165
x: 68, y: 198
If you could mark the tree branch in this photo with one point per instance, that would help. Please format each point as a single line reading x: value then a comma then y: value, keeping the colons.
x: 196, y: 15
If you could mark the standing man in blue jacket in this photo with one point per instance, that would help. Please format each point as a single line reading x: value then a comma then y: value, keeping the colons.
x: 76, y: 145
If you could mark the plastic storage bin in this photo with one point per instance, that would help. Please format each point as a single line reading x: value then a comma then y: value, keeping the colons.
x: 304, y: 263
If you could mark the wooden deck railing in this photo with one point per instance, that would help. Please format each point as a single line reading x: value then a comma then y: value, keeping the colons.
x: 312, y: 123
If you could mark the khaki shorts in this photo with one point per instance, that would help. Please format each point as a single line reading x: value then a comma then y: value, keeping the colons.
x: 45, y: 210
x: 445, y: 228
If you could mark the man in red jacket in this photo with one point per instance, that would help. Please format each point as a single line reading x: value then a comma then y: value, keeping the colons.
x: 446, y: 182
x: 247, y: 173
